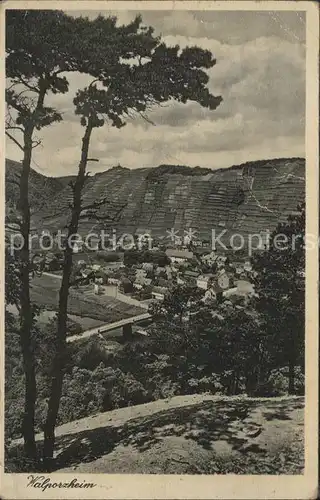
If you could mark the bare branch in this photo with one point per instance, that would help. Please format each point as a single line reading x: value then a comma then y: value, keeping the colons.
x: 13, y: 127
x: 36, y: 143
x: 15, y: 141
x: 30, y: 87
x: 95, y: 204
x: 93, y: 82
x: 147, y: 119
x: 81, y: 280
x: 7, y: 226
x: 11, y: 86
x: 110, y: 218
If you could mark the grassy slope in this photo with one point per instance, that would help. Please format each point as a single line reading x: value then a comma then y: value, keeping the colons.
x: 188, y: 434
x: 45, y: 290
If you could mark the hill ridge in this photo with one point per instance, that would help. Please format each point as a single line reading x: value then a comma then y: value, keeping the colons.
x: 250, y: 197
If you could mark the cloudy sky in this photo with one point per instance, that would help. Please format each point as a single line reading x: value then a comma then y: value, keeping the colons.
x: 260, y: 73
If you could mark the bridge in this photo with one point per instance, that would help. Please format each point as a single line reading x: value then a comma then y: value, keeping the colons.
x: 126, y: 325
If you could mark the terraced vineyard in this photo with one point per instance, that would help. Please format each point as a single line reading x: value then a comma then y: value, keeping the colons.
x: 248, y: 198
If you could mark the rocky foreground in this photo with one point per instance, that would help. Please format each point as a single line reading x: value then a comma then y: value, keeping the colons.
x: 197, y: 434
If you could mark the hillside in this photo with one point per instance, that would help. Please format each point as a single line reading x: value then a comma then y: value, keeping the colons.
x: 251, y: 197
x: 188, y: 434
x: 41, y: 188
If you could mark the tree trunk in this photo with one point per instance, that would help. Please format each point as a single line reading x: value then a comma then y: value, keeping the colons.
x: 292, y: 363
x: 291, y: 385
x: 26, y: 318
x: 25, y: 305
x: 58, y: 364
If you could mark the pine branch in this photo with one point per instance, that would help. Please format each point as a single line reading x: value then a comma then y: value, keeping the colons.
x: 14, y: 181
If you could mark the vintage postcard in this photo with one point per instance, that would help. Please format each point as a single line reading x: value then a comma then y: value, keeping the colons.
x: 160, y: 243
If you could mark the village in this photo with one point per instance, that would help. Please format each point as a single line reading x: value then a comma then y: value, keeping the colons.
x: 143, y: 275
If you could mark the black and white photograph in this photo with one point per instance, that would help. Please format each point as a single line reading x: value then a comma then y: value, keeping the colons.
x: 158, y: 245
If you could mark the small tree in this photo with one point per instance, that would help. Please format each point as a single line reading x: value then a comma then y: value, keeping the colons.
x: 133, y: 71
x: 281, y: 292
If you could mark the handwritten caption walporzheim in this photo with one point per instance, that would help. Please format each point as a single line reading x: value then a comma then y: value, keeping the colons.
x: 44, y: 483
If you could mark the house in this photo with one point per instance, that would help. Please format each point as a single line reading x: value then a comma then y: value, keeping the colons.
x: 214, y: 292
x: 243, y: 290
x: 224, y: 280
x: 180, y: 281
x: 147, y: 266
x: 161, y: 271
x: 143, y: 281
x: 113, y: 266
x: 243, y: 276
x: 203, y: 281
x: 169, y: 272
x: 97, y: 289
x: 179, y: 255
x: 218, y: 291
x: 230, y: 292
x: 96, y: 267
x: 137, y: 285
x: 163, y: 283
x: 113, y: 281
x: 84, y: 273
x: 238, y: 270
x: 100, y: 277
x: 247, y: 266
x: 37, y: 260
x: 209, y: 296
x: 81, y: 263
x: 221, y: 261
x: 140, y: 274
x: 76, y: 247
x: 244, y: 287
x: 159, y: 292
x: 197, y: 243
x: 142, y: 278
x: 209, y: 258
x: 191, y: 276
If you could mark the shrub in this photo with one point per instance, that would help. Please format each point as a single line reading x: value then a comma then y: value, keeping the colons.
x: 277, y: 384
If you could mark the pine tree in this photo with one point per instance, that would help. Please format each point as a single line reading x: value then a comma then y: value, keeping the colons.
x: 133, y: 71
x: 37, y: 52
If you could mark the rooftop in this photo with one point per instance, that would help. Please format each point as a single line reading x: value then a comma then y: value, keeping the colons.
x: 183, y: 254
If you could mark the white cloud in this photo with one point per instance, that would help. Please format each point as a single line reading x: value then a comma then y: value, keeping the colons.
x: 260, y: 75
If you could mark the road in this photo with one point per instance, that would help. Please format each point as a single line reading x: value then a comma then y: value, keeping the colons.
x: 108, y: 327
